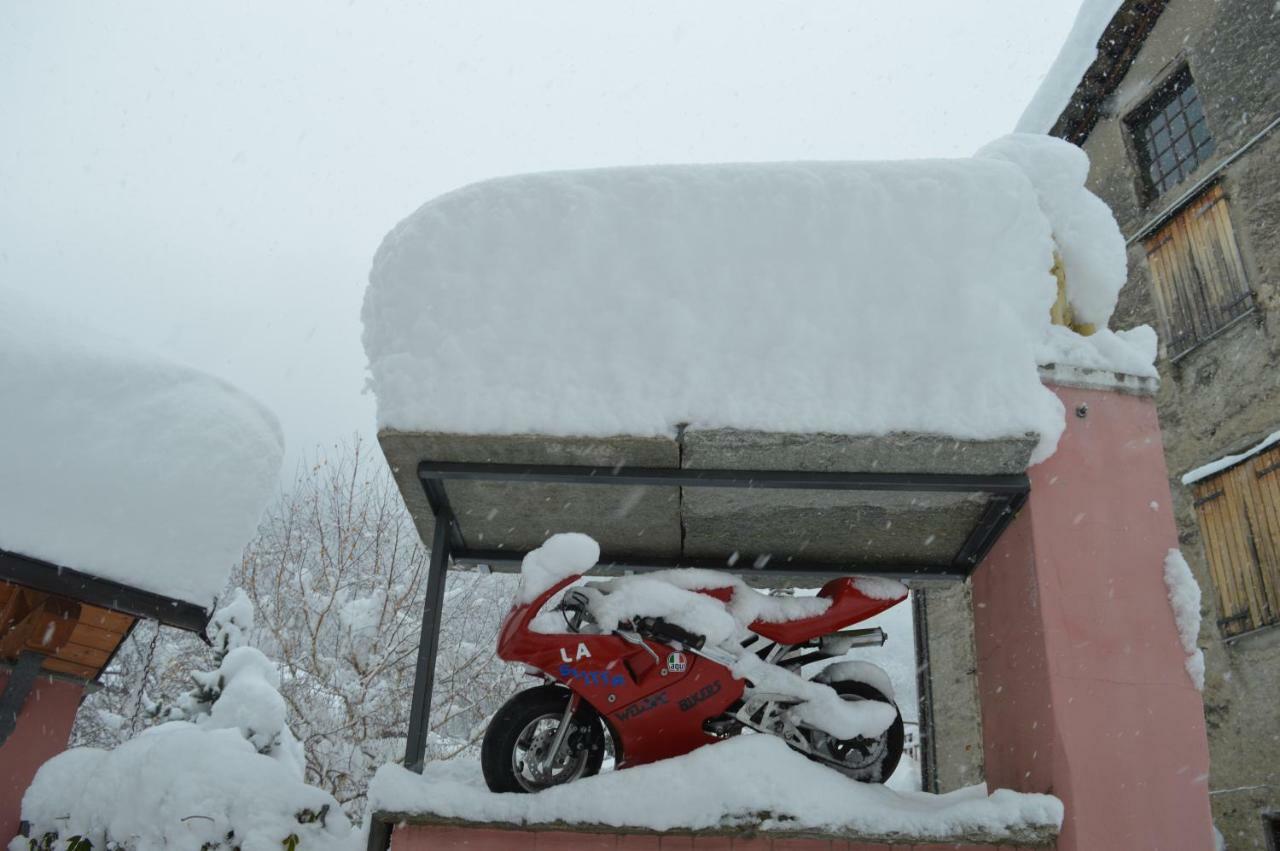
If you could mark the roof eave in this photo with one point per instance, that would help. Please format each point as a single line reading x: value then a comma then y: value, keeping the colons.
x: 67, y: 582
x: 1117, y: 48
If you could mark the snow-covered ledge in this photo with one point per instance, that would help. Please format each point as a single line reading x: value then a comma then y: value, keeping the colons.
x: 1092, y: 378
x: 751, y: 784
x: 1123, y: 361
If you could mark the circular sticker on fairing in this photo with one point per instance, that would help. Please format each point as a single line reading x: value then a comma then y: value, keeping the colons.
x: 677, y: 663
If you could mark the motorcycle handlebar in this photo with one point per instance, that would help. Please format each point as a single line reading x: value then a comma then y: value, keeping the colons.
x: 667, y: 633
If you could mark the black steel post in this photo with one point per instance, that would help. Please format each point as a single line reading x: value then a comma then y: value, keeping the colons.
x: 415, y: 748
x: 997, y: 484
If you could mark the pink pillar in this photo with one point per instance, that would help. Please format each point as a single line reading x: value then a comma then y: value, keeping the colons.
x: 43, y: 730
x: 1081, y: 675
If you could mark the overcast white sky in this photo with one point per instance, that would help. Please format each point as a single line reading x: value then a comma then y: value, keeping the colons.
x: 212, y: 180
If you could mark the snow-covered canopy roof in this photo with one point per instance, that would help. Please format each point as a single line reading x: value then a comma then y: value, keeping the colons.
x: 861, y: 298
x: 124, y: 466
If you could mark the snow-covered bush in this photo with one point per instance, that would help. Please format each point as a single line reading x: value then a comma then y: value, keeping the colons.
x: 242, y: 693
x: 225, y: 772
x: 178, y: 786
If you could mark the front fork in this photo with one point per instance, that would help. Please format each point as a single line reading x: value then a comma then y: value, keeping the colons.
x: 562, y: 732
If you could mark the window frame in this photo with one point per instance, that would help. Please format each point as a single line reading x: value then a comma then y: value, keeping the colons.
x: 1144, y: 145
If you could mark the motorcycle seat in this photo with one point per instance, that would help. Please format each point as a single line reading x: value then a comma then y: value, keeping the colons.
x: 848, y: 606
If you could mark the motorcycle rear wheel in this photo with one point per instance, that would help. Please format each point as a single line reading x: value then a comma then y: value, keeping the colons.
x: 513, y: 753
x: 867, y: 760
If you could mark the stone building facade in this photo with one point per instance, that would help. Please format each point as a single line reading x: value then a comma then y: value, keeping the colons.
x: 1180, y: 116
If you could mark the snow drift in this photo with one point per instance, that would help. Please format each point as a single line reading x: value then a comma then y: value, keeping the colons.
x: 755, y: 782
x: 122, y: 465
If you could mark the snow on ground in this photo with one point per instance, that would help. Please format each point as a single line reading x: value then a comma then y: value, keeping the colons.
x: 1184, y: 597
x: 1221, y: 464
x: 122, y: 465
x: 176, y: 786
x: 844, y: 297
x: 1074, y: 58
x: 751, y: 780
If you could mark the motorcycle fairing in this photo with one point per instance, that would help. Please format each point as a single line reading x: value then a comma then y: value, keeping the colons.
x: 652, y: 715
x: 653, y: 711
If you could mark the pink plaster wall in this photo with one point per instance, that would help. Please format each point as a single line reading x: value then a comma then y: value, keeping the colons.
x: 43, y: 730
x: 431, y: 837
x: 1081, y: 674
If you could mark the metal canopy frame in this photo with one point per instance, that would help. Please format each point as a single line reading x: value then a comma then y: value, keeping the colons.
x: 67, y: 582
x: 1007, y: 494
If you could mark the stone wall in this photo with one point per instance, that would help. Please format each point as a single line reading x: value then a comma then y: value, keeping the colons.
x: 1224, y: 395
x: 944, y: 615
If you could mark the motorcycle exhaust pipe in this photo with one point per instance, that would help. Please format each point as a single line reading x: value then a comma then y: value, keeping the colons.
x: 840, y: 643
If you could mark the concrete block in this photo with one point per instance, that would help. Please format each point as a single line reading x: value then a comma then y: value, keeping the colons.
x: 626, y: 521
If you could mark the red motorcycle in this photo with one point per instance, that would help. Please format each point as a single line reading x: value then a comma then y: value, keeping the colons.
x: 658, y: 691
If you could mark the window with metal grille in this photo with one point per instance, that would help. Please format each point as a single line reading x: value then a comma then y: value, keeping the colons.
x: 1171, y: 133
x: 1197, y: 273
x: 1239, y: 512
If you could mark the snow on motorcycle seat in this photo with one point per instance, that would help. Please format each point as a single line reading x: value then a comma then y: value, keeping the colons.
x: 780, y: 368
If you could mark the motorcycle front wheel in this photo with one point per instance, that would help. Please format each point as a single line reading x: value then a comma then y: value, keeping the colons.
x: 868, y: 760
x: 517, y: 744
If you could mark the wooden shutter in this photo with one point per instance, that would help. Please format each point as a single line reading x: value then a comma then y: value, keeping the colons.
x: 1197, y: 272
x: 1239, y: 512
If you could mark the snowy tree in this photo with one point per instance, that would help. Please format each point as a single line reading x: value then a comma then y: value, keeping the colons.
x: 335, y: 580
x: 228, y: 630
x: 241, y: 693
x: 338, y: 575
x: 223, y: 770
x: 152, y: 662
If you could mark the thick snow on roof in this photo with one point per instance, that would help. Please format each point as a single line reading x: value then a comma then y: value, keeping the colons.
x: 842, y: 297
x: 1085, y: 232
x: 753, y: 781
x: 122, y: 465
x: 1075, y: 57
